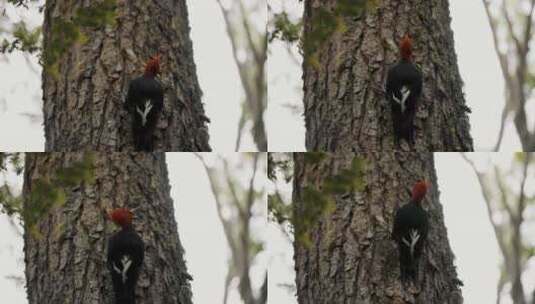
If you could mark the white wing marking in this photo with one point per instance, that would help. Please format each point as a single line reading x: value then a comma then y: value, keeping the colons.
x: 414, y: 237
x: 405, y: 92
x: 126, y: 262
x: 145, y: 112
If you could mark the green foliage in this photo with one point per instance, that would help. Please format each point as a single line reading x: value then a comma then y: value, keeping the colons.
x: 285, y: 29
x: 347, y: 180
x: 10, y: 203
x: 279, y: 165
x: 98, y: 15
x: 255, y: 247
x: 51, y: 191
x: 325, y: 23
x: 79, y: 172
x: 11, y: 159
x: 354, y: 8
x: 528, y: 252
x: 314, y: 157
x: 279, y: 211
x: 65, y: 33
x: 19, y: 3
x: 315, y: 205
x: 349, y: 7
x: 318, y: 201
x: 530, y: 79
x: 521, y: 157
x: 26, y: 40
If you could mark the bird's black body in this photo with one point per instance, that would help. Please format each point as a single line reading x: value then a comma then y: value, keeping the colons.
x: 125, y: 245
x: 140, y: 91
x: 409, y: 219
x: 404, y: 83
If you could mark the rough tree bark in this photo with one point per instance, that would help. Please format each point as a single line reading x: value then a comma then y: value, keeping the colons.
x: 344, y: 103
x: 67, y: 262
x: 352, y: 258
x: 83, y: 107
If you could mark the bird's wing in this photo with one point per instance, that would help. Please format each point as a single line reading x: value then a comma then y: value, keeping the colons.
x: 130, y: 101
x: 158, y: 99
x: 139, y: 250
x: 388, y: 86
x: 111, y: 247
x: 396, y: 229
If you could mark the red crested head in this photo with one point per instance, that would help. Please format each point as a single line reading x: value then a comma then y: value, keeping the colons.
x: 122, y: 217
x: 152, y: 67
x: 405, y: 47
x: 419, y: 190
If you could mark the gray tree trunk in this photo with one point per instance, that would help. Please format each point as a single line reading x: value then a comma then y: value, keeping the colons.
x: 352, y: 258
x: 83, y: 107
x: 66, y: 263
x: 344, y: 103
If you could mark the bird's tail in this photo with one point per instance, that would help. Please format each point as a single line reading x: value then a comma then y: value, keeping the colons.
x: 143, y: 141
x: 126, y: 298
x: 408, y: 266
x: 408, y: 271
x: 404, y: 129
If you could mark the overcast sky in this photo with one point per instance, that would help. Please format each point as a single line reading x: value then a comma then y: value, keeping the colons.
x: 20, y: 88
x: 469, y: 231
x: 477, y: 63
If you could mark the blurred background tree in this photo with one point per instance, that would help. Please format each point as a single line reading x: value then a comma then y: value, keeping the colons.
x: 510, y: 202
x: 284, y: 31
x: 245, y: 22
x: 20, y: 29
x: 238, y: 187
x: 512, y: 24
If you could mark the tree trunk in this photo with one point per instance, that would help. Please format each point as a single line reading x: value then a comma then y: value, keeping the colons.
x: 83, y: 104
x: 352, y: 258
x: 344, y: 102
x: 66, y: 262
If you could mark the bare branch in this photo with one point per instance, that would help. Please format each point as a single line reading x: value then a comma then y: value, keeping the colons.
x: 251, y: 72
x: 503, y: 194
x: 487, y: 196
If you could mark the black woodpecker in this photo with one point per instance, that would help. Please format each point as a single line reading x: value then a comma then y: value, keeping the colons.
x: 144, y: 102
x: 410, y: 232
x: 125, y: 257
x: 403, y: 90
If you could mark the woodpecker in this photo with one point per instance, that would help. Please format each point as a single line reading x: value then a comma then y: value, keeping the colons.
x: 403, y: 90
x: 125, y: 257
x: 410, y: 232
x: 144, y: 102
